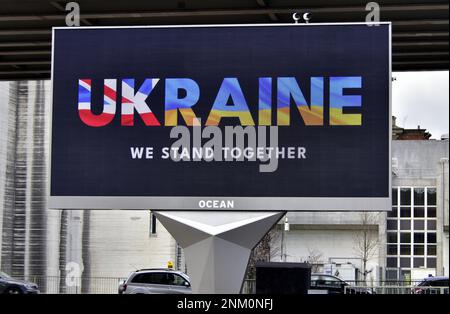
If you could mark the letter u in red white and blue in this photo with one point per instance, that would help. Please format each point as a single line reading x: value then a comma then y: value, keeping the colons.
x: 109, y: 102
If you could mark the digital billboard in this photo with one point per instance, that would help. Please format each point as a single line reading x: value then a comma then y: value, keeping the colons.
x: 222, y: 117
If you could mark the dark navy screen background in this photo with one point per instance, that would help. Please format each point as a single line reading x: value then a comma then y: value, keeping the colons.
x: 343, y: 161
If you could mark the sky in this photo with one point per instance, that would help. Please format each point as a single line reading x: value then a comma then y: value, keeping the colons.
x: 422, y: 98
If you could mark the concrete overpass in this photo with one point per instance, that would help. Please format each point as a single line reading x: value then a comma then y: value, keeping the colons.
x: 420, y: 27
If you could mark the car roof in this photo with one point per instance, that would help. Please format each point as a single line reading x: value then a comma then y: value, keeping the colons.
x: 155, y: 270
x: 152, y: 270
x: 435, y: 278
x: 147, y: 270
x: 326, y: 275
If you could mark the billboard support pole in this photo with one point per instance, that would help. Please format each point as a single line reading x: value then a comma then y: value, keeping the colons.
x: 217, y: 244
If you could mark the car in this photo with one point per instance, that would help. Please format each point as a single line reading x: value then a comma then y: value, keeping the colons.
x: 432, y: 285
x: 334, y: 285
x: 156, y: 281
x: 9, y: 285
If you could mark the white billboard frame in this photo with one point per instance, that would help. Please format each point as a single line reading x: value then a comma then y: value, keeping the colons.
x: 199, y: 203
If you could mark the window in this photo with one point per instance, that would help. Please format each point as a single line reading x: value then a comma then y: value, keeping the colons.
x: 406, y: 274
x: 431, y: 224
x: 393, y: 212
x: 405, y: 212
x: 314, y: 279
x: 331, y: 281
x: 151, y: 278
x: 411, y: 229
x: 431, y: 237
x: 394, y: 196
x: 391, y: 225
x: 419, y: 249
x: 405, y: 196
x: 392, y: 237
x: 419, y: 212
x: 392, y: 274
x: 419, y: 262
x: 431, y: 196
x: 392, y: 249
x: 419, y: 196
x: 419, y: 237
x: 431, y: 250
x: 160, y: 279
x: 405, y: 237
x: 405, y: 262
x: 391, y: 262
x: 325, y: 281
x: 419, y: 224
x: 176, y: 280
x: 405, y: 224
x: 431, y: 212
x: 405, y: 249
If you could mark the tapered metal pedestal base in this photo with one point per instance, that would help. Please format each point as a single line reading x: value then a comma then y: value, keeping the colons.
x: 217, y: 245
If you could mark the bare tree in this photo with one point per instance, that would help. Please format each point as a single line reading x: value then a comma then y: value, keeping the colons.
x: 265, y: 251
x: 315, y: 259
x: 367, y: 241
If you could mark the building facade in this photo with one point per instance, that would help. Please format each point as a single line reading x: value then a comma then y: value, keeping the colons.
x: 49, y: 246
x: 411, y: 241
x: 417, y: 226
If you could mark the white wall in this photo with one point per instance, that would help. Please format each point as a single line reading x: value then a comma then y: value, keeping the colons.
x: 120, y: 242
x: 330, y: 243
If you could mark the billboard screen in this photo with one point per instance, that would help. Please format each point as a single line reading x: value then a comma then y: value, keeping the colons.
x: 236, y: 117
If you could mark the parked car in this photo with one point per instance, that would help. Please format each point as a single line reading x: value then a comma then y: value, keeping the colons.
x: 156, y: 281
x: 432, y: 285
x: 334, y: 285
x: 9, y: 285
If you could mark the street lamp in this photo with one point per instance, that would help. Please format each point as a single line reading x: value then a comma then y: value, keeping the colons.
x: 286, y: 224
x: 283, y: 241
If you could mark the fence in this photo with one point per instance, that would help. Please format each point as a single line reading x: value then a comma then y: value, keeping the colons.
x: 110, y: 285
x: 383, y: 283
x: 76, y: 285
x: 379, y: 287
x: 394, y: 289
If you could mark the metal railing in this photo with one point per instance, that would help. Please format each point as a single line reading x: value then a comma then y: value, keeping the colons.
x: 393, y: 289
x: 379, y: 287
x: 110, y: 285
x: 76, y: 285
x: 384, y: 283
